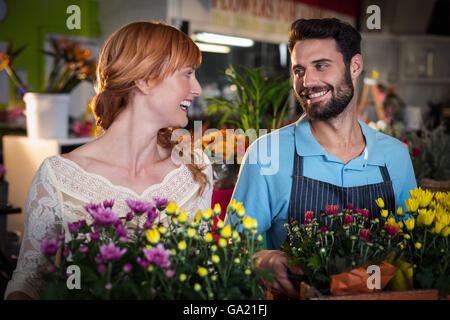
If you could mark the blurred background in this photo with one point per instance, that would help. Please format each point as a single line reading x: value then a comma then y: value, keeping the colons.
x: 51, y: 46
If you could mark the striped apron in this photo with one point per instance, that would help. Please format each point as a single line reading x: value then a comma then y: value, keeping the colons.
x: 313, y: 195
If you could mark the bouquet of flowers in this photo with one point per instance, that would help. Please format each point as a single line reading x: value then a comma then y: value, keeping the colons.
x: 335, y: 250
x: 140, y: 257
x: 425, y: 246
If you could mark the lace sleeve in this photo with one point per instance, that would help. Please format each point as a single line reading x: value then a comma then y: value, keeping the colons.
x: 43, y: 221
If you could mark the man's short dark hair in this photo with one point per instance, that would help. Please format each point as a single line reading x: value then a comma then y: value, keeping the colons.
x: 348, y: 40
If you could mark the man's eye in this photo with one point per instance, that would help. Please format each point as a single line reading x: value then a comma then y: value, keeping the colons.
x: 299, y: 72
x: 321, y: 66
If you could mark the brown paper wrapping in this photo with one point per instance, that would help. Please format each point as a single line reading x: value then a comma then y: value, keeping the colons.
x: 355, y: 281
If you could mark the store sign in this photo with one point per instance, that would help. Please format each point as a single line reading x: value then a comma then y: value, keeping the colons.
x: 263, y: 20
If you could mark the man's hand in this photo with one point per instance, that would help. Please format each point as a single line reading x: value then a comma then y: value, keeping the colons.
x: 276, y: 260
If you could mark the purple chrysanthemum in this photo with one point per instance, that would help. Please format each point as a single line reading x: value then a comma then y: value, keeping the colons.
x: 128, y: 267
x: 73, y: 227
x: 129, y: 216
x: 121, y: 231
x: 83, y: 248
x: 108, y: 204
x: 90, y: 207
x: 50, y: 247
x: 143, y: 263
x: 160, y: 202
x: 110, y: 252
x: 152, y: 214
x: 105, y: 216
x: 95, y: 236
x: 158, y: 255
x: 139, y: 207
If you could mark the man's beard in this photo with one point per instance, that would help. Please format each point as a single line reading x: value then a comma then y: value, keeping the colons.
x: 341, y: 95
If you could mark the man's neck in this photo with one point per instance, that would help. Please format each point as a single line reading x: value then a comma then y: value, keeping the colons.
x: 340, y: 136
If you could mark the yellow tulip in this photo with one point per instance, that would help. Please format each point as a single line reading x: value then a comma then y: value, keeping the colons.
x: 202, y: 272
x: 226, y: 231
x: 215, y: 258
x: 217, y: 209
x: 411, y: 205
x: 445, y: 232
x: 438, y: 226
x: 172, y: 208
x: 247, y: 223
x: 400, y: 212
x: 190, y: 232
x: 182, y: 217
x: 182, y: 245
x: 380, y: 203
x: 183, y: 277
x: 418, y: 245
x: 232, y: 205
x: 409, y: 223
x: 220, y: 224
x: 207, y: 214
x: 162, y: 230
x: 208, y: 237
x: 197, y: 287
x: 425, y: 198
x: 384, y: 213
x: 425, y: 217
x: 222, y: 243
x: 198, y: 216
x: 153, y: 236
x: 240, y: 210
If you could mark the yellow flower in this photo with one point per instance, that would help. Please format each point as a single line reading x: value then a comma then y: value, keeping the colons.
x: 232, y: 205
x: 237, y: 260
x: 424, y: 197
x: 240, y: 210
x: 217, y: 209
x: 259, y: 238
x: 438, y: 226
x: 248, y: 223
x: 150, y: 268
x: 406, y: 236
x: 162, y: 230
x: 172, y: 208
x: 213, y: 277
x: 409, y: 223
x: 446, y: 231
x: 418, y: 245
x: 207, y: 214
x: 183, y: 277
x: 443, y: 217
x: 380, y: 203
x: 208, y: 237
x: 400, y: 224
x: 222, y: 243
x: 215, y: 258
x: 173, y: 252
x: 182, y: 245
x: 182, y: 217
x: 198, y: 216
x: 220, y: 224
x: 190, y: 232
x: 247, y: 272
x: 425, y: 217
x: 236, y: 236
x: 411, y: 205
x: 202, y: 272
x: 226, y: 231
x: 400, y: 212
x: 153, y: 236
x: 197, y: 287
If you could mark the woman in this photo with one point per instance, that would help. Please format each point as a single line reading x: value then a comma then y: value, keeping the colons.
x: 145, y: 83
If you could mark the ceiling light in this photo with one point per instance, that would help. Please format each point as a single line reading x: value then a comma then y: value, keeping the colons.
x: 222, y: 39
x: 206, y: 47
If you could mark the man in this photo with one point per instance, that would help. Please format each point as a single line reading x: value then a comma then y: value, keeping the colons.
x: 328, y: 156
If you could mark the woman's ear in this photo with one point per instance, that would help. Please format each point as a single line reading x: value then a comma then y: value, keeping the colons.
x: 356, y: 66
x: 143, y: 86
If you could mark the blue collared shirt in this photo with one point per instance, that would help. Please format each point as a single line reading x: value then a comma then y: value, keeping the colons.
x: 265, y: 177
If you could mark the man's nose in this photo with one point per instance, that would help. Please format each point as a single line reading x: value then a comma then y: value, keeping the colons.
x: 310, y: 79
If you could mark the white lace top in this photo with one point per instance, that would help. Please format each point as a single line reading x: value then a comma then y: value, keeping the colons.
x: 59, y: 191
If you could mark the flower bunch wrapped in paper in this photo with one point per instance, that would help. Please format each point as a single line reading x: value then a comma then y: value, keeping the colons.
x: 140, y: 257
x: 336, y: 250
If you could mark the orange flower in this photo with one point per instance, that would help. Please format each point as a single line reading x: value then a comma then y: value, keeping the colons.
x: 4, y: 61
